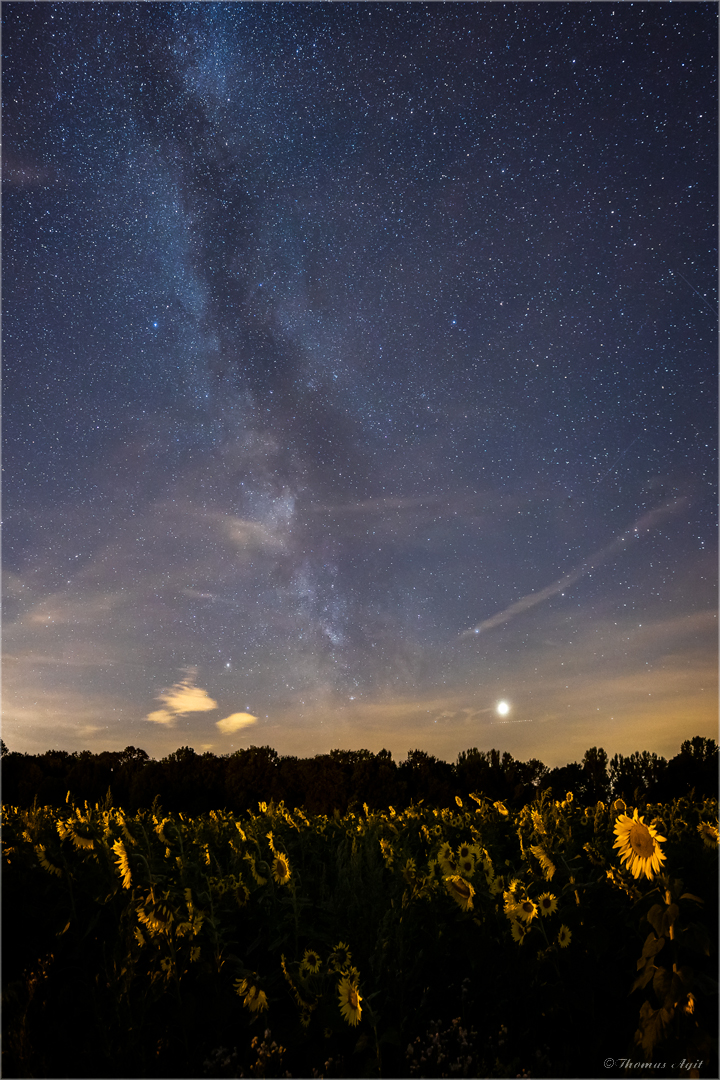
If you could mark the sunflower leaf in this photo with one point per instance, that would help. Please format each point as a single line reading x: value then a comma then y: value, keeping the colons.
x: 691, y: 896
x: 652, y: 945
x: 654, y: 917
x: 662, y: 982
x: 644, y: 979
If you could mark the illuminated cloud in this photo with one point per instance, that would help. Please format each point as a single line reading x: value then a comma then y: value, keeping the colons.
x: 183, y: 697
x: 162, y: 716
x: 236, y: 722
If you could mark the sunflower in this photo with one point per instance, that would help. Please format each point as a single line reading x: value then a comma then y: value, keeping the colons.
x: 501, y: 809
x: 526, y: 910
x: 410, y: 871
x: 547, y: 865
x: 461, y: 891
x: 45, y: 862
x: 446, y: 858
x: 340, y: 957
x: 310, y: 963
x: 458, y: 800
x: 387, y: 853
x: 639, y: 845
x: 123, y: 863
x: 519, y: 932
x: 281, y: 869
x: 619, y: 805
x: 255, y: 1000
x: 547, y: 904
x: 467, y: 867
x: 564, y: 937
x: 709, y: 834
x: 349, y: 1000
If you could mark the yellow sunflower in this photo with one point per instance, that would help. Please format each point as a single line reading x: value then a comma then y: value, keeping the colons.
x: 619, y: 805
x: 310, y: 962
x: 546, y: 863
x: 458, y: 800
x: 639, y: 845
x: 526, y: 910
x: 564, y: 937
x: 340, y: 957
x: 709, y: 834
x: 547, y: 904
x: 255, y: 1000
x: 501, y: 808
x: 519, y: 932
x: 467, y: 867
x: 410, y: 871
x: 461, y: 891
x: 446, y: 858
x: 281, y: 869
x: 350, y: 999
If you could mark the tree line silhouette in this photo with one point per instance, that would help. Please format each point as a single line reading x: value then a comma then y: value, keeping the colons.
x: 345, y: 779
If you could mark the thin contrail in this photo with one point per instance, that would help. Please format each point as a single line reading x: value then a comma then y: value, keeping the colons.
x: 643, y: 524
x: 703, y: 298
x: 618, y: 460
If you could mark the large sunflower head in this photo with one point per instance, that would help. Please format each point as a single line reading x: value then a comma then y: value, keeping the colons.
x: 310, y: 962
x: 564, y: 937
x: 340, y: 957
x: 638, y: 845
x: 709, y: 834
x: 255, y: 1000
x: 410, y: 871
x: 446, y: 858
x: 350, y: 999
x: 461, y: 891
x: 547, y: 903
x: 526, y: 910
x: 281, y: 869
x: 518, y: 930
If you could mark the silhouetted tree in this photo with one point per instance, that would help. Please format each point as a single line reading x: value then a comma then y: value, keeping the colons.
x: 595, y: 784
x: 566, y: 778
x: 694, y: 768
x: 636, y: 777
x: 428, y: 778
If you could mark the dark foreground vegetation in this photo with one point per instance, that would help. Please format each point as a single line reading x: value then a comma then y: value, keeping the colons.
x: 474, y: 935
x: 345, y: 779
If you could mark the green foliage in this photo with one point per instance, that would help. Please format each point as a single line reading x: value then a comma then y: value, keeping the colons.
x: 374, y: 943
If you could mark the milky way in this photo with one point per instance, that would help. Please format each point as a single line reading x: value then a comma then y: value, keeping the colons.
x: 359, y: 373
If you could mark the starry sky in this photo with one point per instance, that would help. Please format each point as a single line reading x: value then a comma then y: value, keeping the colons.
x: 359, y: 376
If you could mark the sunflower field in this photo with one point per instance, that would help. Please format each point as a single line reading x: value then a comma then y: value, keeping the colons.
x: 555, y: 940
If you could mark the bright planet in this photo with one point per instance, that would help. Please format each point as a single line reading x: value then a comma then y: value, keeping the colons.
x: 503, y: 708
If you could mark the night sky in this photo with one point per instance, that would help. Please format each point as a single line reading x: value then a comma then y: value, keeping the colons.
x: 359, y: 376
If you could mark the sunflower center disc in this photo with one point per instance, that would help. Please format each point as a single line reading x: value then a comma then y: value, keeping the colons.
x: 641, y: 841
